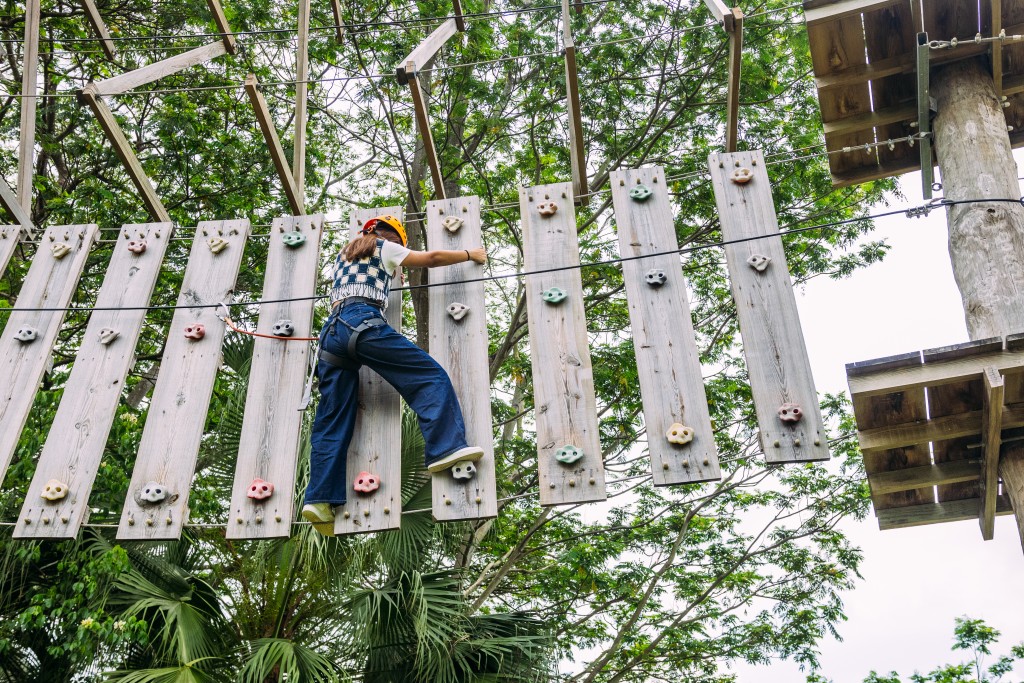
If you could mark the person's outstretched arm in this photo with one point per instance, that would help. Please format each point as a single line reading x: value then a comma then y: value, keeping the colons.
x: 443, y: 257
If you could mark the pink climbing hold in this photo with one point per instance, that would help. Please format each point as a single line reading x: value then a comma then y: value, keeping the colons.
x: 195, y: 331
x: 790, y: 412
x: 366, y: 482
x: 137, y: 246
x: 260, y: 489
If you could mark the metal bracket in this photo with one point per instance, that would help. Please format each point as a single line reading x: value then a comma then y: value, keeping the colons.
x: 924, y: 114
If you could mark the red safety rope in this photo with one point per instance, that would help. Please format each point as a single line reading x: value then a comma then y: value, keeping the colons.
x: 227, y: 321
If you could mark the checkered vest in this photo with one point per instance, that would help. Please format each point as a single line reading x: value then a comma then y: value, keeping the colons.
x: 365, y: 277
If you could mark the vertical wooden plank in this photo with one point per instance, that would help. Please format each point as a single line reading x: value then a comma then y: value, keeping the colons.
x: 266, y: 123
x: 460, y: 346
x: 671, y: 383
x: 301, y: 96
x: 78, y: 436
x: 29, y: 81
x: 99, y: 27
x: 565, y: 406
x: 773, y: 341
x: 577, y: 153
x: 377, y: 441
x: 10, y: 236
x: 422, y: 112
x: 228, y: 37
x: 181, y: 398
x: 732, y: 117
x: 992, y: 427
x: 269, y: 447
x: 50, y: 283
x: 339, y: 26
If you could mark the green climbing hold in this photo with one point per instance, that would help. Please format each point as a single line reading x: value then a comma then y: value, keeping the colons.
x: 554, y: 295
x: 568, y: 454
x: 293, y: 239
x: 640, y: 193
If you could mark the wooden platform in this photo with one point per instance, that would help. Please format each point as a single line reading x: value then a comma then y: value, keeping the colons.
x: 930, y: 424
x: 863, y: 53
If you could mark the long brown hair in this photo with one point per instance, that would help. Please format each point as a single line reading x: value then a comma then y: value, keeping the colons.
x: 364, y: 245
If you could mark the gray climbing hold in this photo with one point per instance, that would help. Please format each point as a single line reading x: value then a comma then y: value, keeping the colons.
x: 464, y: 470
x: 655, y: 277
x: 283, y: 328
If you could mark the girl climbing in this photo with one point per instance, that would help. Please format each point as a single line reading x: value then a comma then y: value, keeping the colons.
x: 356, y: 334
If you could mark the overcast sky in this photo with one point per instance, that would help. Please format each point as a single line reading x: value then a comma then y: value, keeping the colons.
x: 916, y: 581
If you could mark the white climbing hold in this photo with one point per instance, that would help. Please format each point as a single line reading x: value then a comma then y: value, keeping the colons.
x: 452, y: 223
x: 758, y: 262
x: 458, y: 311
x: 679, y: 434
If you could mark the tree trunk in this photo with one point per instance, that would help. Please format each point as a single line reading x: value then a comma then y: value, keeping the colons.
x: 986, y: 240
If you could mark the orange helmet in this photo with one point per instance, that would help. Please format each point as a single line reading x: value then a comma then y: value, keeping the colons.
x: 391, y: 222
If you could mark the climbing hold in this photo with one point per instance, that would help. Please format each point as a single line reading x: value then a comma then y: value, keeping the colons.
x: 55, y: 490
x: 195, y: 331
x: 293, y: 238
x: 758, y: 262
x: 655, y: 277
x: 153, y: 492
x: 26, y: 334
x: 741, y: 176
x: 463, y: 470
x: 217, y: 244
x: 568, y: 454
x: 452, y: 223
x: 108, y: 335
x: 679, y: 434
x: 284, y: 328
x: 458, y: 311
x: 136, y: 246
x: 790, y: 412
x: 554, y: 295
x: 60, y: 250
x: 260, y: 489
x: 547, y: 208
x: 366, y: 482
x: 640, y: 193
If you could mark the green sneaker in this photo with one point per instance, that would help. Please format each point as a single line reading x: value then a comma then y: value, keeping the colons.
x: 321, y: 515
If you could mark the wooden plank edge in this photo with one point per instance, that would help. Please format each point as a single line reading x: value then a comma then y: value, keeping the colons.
x: 937, y: 429
x: 936, y: 513
x: 157, y: 70
x: 99, y: 27
x: 971, y: 348
x: 10, y: 201
x: 868, y: 367
x: 423, y: 125
x: 425, y: 51
x: 339, y: 27
x: 219, y: 18
x: 910, y: 478
x: 992, y: 423
x: 732, y: 116
x: 845, y: 8
x: 266, y: 123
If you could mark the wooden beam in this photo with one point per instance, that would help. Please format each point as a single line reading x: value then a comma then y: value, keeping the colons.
x: 992, y: 424
x: 222, y: 26
x: 872, y: 119
x: 732, y: 119
x: 29, y: 81
x: 266, y: 123
x: 99, y: 27
x: 157, y: 70
x: 844, y: 8
x: 935, y: 374
x: 422, y: 55
x: 721, y: 12
x: 124, y: 152
x: 997, y: 48
x: 423, y: 126
x: 460, y: 21
x: 935, y: 513
x: 912, y: 478
x: 577, y: 154
x: 10, y: 201
x: 301, y: 97
x: 339, y: 27
x: 937, y: 429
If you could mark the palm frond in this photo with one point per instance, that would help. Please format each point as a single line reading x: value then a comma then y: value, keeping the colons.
x: 185, y: 673
x: 286, y: 660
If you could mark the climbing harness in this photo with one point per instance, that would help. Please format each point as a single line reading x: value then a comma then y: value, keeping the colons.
x: 350, y: 361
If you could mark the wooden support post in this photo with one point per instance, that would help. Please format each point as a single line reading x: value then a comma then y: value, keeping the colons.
x: 735, y: 67
x: 10, y: 201
x: 267, y: 127
x: 99, y: 27
x: 157, y: 70
x: 339, y: 26
x: 577, y: 154
x: 460, y: 21
x: 177, y: 413
x: 228, y: 37
x: 78, y: 436
x: 269, y: 447
x: 124, y: 152
x: 992, y: 426
x: 50, y: 284
x: 773, y: 341
x: 10, y: 237
x: 425, y: 52
x: 460, y: 346
x: 426, y: 137
x: 29, y: 81
x: 301, y: 100
x: 997, y: 46
x: 667, y: 358
x: 565, y: 406
x: 377, y: 441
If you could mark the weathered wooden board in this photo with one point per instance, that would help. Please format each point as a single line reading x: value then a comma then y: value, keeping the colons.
x: 667, y: 358
x: 165, y: 67
x: 10, y: 236
x: 181, y: 398
x: 565, y: 406
x: 988, y: 479
x: 889, y: 411
x: 78, y: 436
x: 773, y: 341
x: 935, y: 513
x: 269, y: 447
x: 50, y: 283
x: 460, y: 346
x: 377, y: 442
